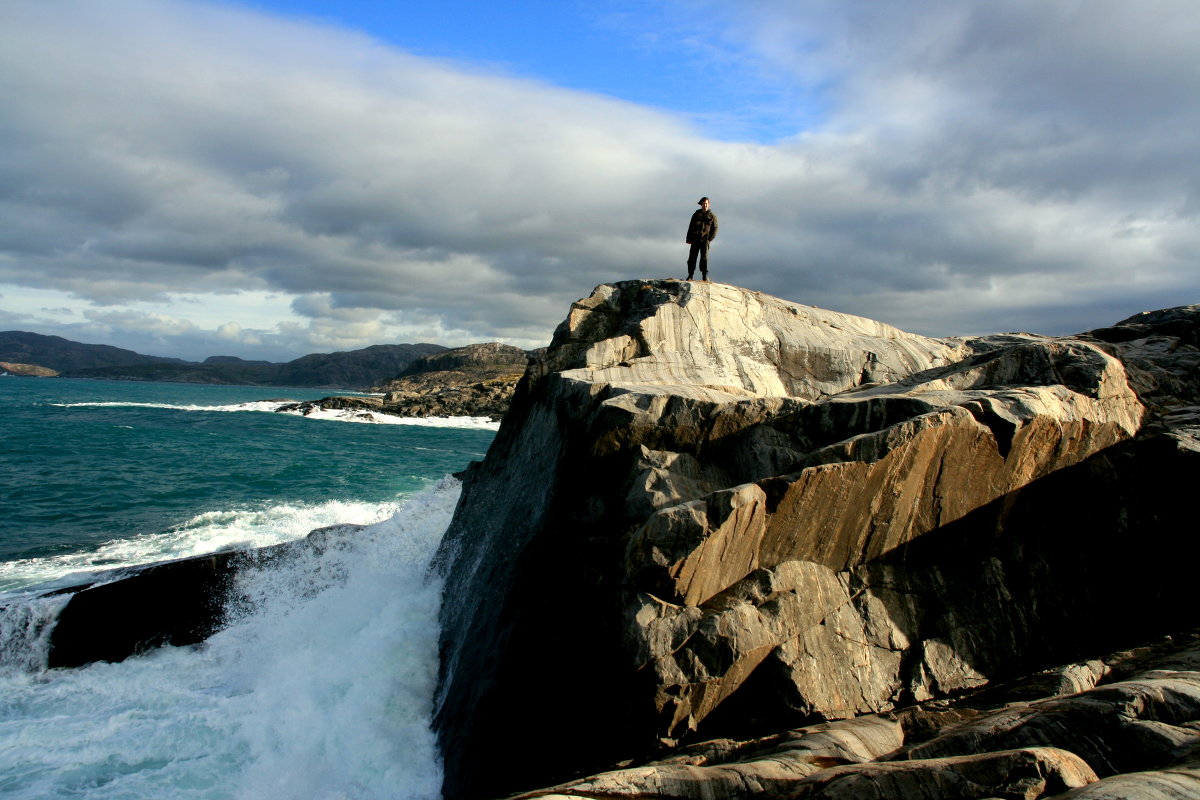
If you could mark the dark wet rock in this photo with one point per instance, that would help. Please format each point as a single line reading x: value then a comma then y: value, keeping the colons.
x: 182, y: 602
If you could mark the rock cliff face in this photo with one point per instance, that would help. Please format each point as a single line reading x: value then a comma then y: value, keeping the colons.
x: 711, y: 513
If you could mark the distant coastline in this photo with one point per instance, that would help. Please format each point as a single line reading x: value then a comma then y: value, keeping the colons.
x: 403, y: 380
x: 32, y: 354
x: 26, y: 370
x: 478, y: 380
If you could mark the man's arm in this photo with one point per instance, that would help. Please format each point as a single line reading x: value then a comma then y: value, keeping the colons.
x: 712, y: 233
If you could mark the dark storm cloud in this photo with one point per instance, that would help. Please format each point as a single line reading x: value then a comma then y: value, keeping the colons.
x: 982, y: 166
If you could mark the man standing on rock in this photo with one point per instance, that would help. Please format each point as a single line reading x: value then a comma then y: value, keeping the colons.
x: 701, y: 230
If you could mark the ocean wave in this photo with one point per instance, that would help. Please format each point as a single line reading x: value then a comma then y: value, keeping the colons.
x: 331, y: 415
x: 316, y: 688
x: 362, y: 415
x: 257, y: 405
x: 209, y: 532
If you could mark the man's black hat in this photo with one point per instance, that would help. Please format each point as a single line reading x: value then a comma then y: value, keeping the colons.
x: 701, y: 200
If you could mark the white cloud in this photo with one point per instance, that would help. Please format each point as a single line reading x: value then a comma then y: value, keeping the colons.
x: 1031, y: 162
x: 155, y: 325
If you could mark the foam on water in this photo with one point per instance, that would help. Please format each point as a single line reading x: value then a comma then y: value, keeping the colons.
x: 203, y: 533
x: 25, y: 627
x: 359, y: 415
x: 258, y: 405
x: 319, y: 687
x: 332, y: 415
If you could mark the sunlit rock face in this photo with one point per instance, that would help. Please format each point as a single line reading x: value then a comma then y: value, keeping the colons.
x: 713, y: 512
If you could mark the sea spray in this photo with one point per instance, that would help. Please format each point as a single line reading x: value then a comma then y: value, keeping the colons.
x: 25, y: 627
x: 380, y: 418
x: 335, y: 415
x: 206, y: 532
x: 319, y: 686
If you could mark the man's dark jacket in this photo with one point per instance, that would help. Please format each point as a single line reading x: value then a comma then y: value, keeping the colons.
x: 703, y: 227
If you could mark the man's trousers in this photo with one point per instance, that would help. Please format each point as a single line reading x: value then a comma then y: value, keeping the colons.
x: 699, y: 252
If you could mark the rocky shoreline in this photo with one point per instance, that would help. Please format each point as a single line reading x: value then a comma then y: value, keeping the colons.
x: 473, y: 381
x: 728, y: 546
x: 26, y: 370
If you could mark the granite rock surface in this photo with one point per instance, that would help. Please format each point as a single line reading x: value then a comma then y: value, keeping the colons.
x: 714, y: 513
x: 1125, y: 725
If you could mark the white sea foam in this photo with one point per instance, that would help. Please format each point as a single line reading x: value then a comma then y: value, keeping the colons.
x: 320, y: 687
x: 331, y: 415
x: 362, y: 415
x: 257, y: 405
x: 25, y: 627
x: 204, y: 533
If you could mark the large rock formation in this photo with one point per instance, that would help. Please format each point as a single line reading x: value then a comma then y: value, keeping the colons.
x: 129, y: 611
x: 711, y: 513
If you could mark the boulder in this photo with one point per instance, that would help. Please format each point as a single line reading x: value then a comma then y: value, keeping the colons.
x: 714, y: 513
x: 1120, y: 727
x: 125, y: 612
x: 1173, y: 784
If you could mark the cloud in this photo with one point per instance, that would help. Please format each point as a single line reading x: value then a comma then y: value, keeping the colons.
x: 1038, y: 147
x: 979, y: 167
x: 153, y: 325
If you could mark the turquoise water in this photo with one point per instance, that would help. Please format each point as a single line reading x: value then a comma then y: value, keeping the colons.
x: 320, y: 688
x: 87, y: 463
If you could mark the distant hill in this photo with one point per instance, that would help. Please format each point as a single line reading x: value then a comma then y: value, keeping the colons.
x: 354, y: 369
x: 63, y: 355
x: 362, y: 368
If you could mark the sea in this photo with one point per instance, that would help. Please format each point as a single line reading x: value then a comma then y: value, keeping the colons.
x: 320, y: 683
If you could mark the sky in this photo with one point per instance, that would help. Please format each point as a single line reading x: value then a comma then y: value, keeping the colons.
x: 271, y: 178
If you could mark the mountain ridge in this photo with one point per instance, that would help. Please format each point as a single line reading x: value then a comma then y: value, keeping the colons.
x: 353, y: 369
